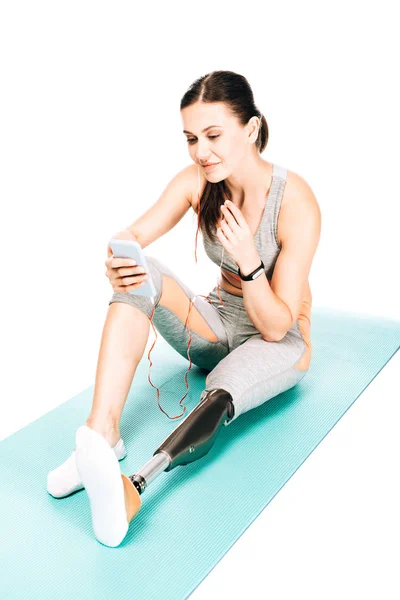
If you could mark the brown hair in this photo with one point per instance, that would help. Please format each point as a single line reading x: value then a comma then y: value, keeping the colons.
x: 235, y: 91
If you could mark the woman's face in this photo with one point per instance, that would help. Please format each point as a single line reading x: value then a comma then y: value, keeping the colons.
x: 225, y: 142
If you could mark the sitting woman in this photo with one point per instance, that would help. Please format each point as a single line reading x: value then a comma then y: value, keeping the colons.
x: 261, y: 224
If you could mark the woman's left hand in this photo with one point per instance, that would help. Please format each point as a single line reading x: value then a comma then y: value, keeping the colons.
x: 235, y: 235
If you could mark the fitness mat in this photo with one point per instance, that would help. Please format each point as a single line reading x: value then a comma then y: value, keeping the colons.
x: 191, y: 516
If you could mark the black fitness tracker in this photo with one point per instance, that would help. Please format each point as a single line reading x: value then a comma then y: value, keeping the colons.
x: 254, y: 274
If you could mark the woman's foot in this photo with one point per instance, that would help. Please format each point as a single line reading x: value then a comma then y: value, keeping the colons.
x: 112, y: 496
x: 65, y: 479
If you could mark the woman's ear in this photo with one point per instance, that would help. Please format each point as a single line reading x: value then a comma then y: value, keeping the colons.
x: 254, y: 126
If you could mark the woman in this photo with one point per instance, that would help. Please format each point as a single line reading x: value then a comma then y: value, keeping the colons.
x: 253, y: 330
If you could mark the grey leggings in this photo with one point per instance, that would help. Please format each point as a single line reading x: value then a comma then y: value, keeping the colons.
x: 240, y: 362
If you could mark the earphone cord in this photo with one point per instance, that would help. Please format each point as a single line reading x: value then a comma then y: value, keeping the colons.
x: 186, y: 325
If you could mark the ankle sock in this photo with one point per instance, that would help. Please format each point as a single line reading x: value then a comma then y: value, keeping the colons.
x: 101, y: 476
x: 65, y: 479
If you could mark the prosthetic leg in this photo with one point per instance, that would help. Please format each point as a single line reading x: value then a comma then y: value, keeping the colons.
x: 191, y: 440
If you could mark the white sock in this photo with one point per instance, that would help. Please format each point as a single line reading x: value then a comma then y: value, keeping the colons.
x: 100, y: 472
x: 65, y: 479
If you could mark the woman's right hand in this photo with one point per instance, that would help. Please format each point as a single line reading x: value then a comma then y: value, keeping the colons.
x: 123, y: 273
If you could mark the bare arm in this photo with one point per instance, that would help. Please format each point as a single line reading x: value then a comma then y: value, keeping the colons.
x: 167, y: 211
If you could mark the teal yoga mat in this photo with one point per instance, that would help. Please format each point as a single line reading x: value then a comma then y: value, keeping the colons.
x: 192, y: 515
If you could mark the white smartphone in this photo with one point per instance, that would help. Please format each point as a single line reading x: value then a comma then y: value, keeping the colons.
x: 132, y: 249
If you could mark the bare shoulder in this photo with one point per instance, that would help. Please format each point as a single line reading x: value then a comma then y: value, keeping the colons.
x: 298, y: 202
x: 297, y: 189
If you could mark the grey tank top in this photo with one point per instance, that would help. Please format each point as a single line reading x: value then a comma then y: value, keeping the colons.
x: 266, y: 236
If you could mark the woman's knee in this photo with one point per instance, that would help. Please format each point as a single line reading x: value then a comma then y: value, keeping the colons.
x: 144, y: 303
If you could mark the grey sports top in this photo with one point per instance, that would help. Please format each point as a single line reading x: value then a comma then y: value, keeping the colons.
x: 268, y: 247
x: 266, y: 236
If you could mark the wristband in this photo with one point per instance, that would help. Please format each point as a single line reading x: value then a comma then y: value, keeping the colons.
x: 253, y: 275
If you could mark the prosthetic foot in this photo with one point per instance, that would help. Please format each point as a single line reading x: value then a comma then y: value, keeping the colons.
x: 191, y: 440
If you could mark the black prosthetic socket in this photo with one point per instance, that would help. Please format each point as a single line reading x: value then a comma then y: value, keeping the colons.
x: 195, y: 436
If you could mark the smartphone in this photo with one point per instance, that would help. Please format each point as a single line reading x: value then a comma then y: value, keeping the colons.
x: 132, y: 249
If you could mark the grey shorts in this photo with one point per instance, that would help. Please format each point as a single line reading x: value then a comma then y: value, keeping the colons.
x: 251, y: 369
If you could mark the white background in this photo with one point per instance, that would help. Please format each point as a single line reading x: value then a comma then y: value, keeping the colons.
x: 91, y: 133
